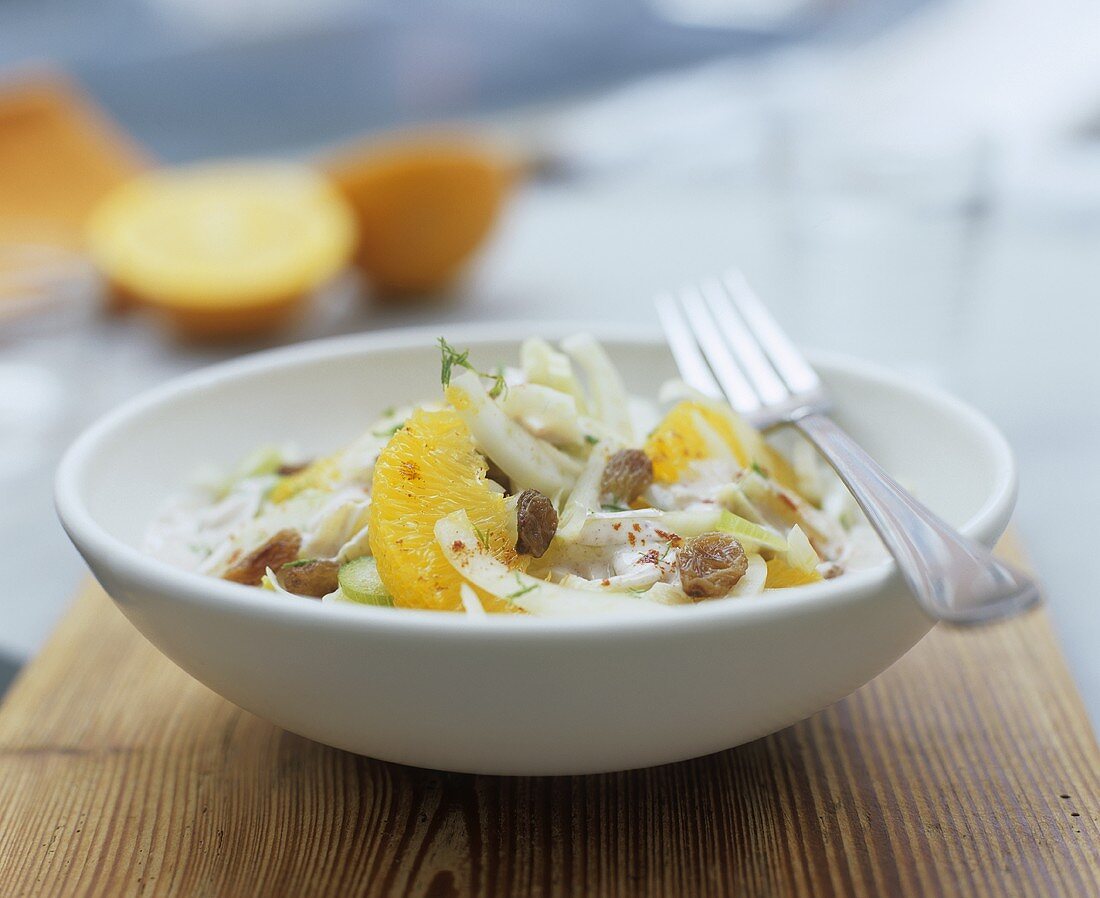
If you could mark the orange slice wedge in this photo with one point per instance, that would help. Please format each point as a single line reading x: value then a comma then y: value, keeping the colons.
x: 428, y: 470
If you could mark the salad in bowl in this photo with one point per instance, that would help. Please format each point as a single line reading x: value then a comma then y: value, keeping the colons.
x: 546, y: 489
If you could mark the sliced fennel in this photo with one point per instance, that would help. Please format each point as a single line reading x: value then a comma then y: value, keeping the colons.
x: 750, y: 534
x: 542, y: 364
x: 651, y: 524
x: 339, y: 521
x: 527, y: 460
x: 585, y: 495
x: 801, y: 554
x: 667, y: 594
x: 605, y: 385
x: 337, y: 597
x: 660, y: 592
x: 547, y: 413
x: 785, y: 508
x: 638, y: 577
x: 474, y: 563
x: 470, y: 601
x: 732, y: 497
x: 753, y: 582
x: 355, y: 547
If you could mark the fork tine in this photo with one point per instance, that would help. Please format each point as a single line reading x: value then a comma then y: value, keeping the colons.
x: 787, y: 360
x: 738, y: 391
x: 769, y: 387
x: 693, y: 368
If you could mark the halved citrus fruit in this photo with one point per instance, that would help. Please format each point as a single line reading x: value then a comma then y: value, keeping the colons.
x: 423, y: 206
x: 224, y: 248
x: 430, y: 469
x: 681, y: 438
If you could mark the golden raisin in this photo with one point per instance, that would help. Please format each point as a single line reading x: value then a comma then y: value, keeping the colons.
x: 627, y: 474
x: 711, y: 564
x: 277, y: 551
x: 314, y: 578
x: 536, y: 523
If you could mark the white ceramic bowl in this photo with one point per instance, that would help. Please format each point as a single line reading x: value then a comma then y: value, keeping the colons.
x: 508, y: 695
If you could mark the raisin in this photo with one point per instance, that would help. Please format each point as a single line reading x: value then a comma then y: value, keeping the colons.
x: 287, y: 470
x: 627, y: 474
x: 276, y: 552
x: 711, y: 564
x: 536, y: 523
x: 311, y: 578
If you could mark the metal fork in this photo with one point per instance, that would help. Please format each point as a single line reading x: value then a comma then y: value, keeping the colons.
x: 727, y: 345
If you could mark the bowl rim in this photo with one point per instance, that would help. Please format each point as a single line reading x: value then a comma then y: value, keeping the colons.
x: 95, y: 542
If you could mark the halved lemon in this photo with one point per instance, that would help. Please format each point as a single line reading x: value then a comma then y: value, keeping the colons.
x: 428, y: 470
x: 223, y: 249
x: 682, y: 438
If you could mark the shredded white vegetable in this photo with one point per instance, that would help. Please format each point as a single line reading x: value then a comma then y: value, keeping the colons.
x: 585, y: 495
x: 470, y: 601
x: 542, y: 364
x: 604, y: 384
x: 801, y: 554
x: 528, y: 461
x: 753, y: 582
x: 550, y: 426
x: 461, y: 547
x: 547, y: 413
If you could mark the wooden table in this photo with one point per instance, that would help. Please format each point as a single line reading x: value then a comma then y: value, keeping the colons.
x: 969, y: 768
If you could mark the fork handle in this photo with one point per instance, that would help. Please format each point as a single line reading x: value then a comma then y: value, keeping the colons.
x: 953, y: 578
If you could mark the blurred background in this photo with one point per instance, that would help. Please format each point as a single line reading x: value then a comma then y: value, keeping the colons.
x: 912, y: 181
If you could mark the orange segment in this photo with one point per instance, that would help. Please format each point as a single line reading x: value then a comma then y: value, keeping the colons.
x: 423, y: 207
x: 781, y: 575
x: 676, y: 442
x: 320, y: 474
x: 428, y: 470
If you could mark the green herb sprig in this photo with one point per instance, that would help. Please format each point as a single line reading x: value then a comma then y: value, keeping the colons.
x: 452, y: 357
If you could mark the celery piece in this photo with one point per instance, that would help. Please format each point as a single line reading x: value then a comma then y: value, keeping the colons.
x: 359, y: 581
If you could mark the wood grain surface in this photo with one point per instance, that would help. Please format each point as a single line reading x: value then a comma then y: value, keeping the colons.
x: 968, y: 768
